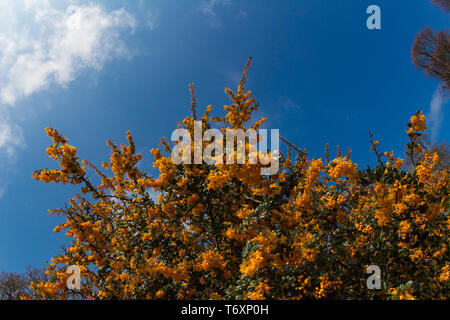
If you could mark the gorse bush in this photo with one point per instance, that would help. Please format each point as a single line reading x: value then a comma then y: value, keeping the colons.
x: 227, y: 232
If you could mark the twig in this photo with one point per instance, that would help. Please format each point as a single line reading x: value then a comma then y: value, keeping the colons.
x: 292, y: 146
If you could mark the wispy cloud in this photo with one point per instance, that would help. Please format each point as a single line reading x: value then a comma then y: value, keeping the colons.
x: 2, y: 192
x: 152, y: 19
x: 11, y: 137
x: 242, y: 14
x: 53, y: 45
x: 436, y: 115
x: 209, y: 9
x: 290, y: 105
x: 44, y: 43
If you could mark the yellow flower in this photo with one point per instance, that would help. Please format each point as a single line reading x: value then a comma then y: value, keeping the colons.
x: 418, y: 122
x: 342, y: 167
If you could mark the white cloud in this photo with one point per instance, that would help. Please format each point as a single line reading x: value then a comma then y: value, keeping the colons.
x: 47, y: 43
x: 53, y: 45
x: 152, y: 19
x: 10, y: 137
x: 436, y: 114
x: 208, y: 8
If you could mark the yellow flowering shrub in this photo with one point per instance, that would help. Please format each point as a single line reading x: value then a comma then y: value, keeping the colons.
x: 226, y: 232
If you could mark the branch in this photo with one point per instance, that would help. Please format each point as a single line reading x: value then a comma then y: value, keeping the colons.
x: 303, y: 153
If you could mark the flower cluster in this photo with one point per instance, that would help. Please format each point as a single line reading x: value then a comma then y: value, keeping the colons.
x: 226, y: 232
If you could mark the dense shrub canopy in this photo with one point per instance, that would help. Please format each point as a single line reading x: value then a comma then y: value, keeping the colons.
x: 227, y: 232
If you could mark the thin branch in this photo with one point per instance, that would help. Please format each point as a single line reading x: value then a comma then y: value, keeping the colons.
x: 293, y: 146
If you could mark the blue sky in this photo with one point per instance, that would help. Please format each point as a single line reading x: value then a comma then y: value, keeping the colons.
x: 95, y: 69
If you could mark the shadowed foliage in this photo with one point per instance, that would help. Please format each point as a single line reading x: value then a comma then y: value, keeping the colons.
x: 431, y: 51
